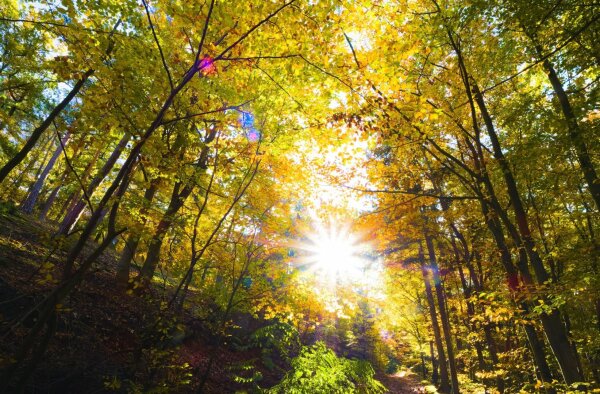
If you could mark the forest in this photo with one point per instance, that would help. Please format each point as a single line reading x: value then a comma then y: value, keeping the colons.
x: 300, y: 196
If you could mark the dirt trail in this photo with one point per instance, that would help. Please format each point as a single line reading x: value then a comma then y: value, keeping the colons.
x: 402, y: 383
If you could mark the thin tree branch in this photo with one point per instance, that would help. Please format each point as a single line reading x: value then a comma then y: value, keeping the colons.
x: 352, y: 49
x: 297, y: 55
x: 260, y: 57
x: 548, y: 55
x: 247, y: 33
x: 70, y: 165
x: 279, y: 86
x: 222, y: 109
x: 56, y: 24
x: 204, y: 31
x: 410, y: 193
x: 162, y: 55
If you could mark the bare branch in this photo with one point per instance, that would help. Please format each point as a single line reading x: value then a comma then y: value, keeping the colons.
x: 352, y: 49
x: 56, y: 24
x: 162, y: 55
x: 70, y: 165
x: 246, y: 34
x: 222, y: 109
x: 204, y: 31
x: 417, y: 194
x: 548, y: 55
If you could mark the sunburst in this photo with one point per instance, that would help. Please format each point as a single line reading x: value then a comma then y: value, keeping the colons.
x: 334, y: 252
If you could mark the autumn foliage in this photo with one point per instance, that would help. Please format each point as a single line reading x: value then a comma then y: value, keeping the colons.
x: 300, y: 196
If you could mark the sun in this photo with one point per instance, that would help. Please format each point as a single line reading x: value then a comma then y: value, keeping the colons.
x: 335, y: 252
x: 336, y: 260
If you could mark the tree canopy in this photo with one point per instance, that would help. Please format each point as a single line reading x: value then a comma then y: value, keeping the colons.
x: 347, y: 188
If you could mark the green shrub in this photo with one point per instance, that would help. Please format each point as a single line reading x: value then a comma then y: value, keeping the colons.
x: 318, y: 370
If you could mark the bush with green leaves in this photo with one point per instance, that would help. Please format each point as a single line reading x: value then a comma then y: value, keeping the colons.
x: 317, y: 370
x: 279, y: 338
x: 276, y: 340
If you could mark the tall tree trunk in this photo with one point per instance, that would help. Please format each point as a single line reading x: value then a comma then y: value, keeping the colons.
x: 552, y: 321
x: 491, y: 344
x: 491, y: 209
x: 576, y: 135
x: 36, y: 189
x: 73, y: 215
x: 51, y: 198
x: 181, y: 192
x: 47, y: 149
x: 467, y: 292
x: 76, y: 149
x: 434, y: 365
x: 133, y: 240
x: 18, y: 181
x: 537, y: 346
x: 443, y: 364
x: 439, y: 290
x: 74, y: 197
x: 177, y: 200
x: 37, y: 133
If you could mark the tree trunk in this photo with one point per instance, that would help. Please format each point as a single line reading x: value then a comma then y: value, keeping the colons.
x: 439, y: 290
x: 552, y: 322
x: 37, y: 133
x: 36, y: 189
x: 443, y: 366
x: 536, y: 345
x: 555, y: 332
x: 74, y: 196
x: 133, y: 240
x: 491, y: 344
x: 47, y: 149
x: 177, y: 200
x: 51, y: 198
x: 18, y: 181
x: 434, y: 365
x: 576, y: 135
x: 73, y: 215
x: 467, y: 291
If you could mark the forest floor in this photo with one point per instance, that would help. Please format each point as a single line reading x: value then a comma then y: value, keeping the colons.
x: 106, y: 340
x: 405, y: 383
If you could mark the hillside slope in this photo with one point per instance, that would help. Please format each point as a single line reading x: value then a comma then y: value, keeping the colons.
x: 108, y: 340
